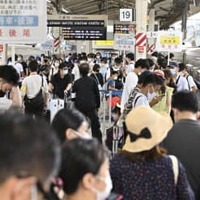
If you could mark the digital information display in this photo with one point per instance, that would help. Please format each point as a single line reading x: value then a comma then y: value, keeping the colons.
x: 84, y: 33
x: 81, y: 29
x: 123, y: 28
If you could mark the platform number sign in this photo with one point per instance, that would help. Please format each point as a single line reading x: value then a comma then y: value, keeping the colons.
x: 126, y: 15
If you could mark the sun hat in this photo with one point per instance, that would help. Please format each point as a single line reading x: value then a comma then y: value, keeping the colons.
x: 146, y: 129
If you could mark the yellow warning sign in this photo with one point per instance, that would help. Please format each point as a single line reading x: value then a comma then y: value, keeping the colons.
x: 104, y: 43
x: 170, y: 40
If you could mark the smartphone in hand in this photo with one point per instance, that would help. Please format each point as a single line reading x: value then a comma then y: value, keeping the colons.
x: 114, y: 196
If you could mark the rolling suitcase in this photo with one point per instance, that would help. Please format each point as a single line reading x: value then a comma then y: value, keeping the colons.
x: 54, y: 105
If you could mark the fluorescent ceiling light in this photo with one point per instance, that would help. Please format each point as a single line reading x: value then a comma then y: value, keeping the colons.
x: 64, y: 10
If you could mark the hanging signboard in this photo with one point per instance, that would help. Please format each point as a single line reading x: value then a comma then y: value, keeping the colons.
x: 47, y: 45
x: 124, y: 42
x: 169, y: 41
x: 124, y: 28
x: 80, y: 27
x: 125, y: 15
x: 23, y: 21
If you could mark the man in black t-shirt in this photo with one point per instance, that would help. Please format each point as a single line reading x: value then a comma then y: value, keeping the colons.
x: 61, y: 82
x: 183, y: 139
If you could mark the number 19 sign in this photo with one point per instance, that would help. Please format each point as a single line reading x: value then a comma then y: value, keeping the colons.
x: 126, y: 15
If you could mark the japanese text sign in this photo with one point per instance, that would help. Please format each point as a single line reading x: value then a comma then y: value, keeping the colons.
x: 169, y: 41
x: 23, y: 21
x: 124, y: 42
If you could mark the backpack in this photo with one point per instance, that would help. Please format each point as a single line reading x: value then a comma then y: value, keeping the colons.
x: 197, y: 84
x: 132, y: 98
x: 37, y: 101
x: 195, y: 81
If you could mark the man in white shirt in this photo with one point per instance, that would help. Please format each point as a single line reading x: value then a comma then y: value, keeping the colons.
x: 191, y: 84
x: 34, y: 86
x: 104, y: 68
x: 148, y: 84
x: 131, y: 64
x: 19, y: 67
x: 181, y: 81
x: 76, y: 72
x: 132, y: 79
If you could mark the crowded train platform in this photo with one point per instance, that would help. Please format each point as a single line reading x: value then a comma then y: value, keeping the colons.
x: 97, y: 102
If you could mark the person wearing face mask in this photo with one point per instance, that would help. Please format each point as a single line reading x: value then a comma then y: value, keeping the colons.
x: 69, y: 124
x: 90, y: 59
x: 141, y: 65
x: 98, y: 58
x: 97, y: 76
x: 114, y: 83
x: 131, y: 64
x: 116, y: 67
x: 61, y: 82
x: 148, y: 85
x: 190, y: 80
x: 34, y: 92
x: 30, y: 158
x: 165, y: 104
x: 85, y: 170
x: 86, y: 97
x: 9, y: 90
x: 104, y: 68
x: 54, y: 68
x: 180, y: 80
x: 20, y: 59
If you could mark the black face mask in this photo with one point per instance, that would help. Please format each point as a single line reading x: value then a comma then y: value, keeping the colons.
x: 2, y: 94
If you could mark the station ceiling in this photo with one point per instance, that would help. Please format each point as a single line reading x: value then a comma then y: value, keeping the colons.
x: 167, y: 11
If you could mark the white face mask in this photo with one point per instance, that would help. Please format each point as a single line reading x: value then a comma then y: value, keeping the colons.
x: 56, y: 64
x: 19, y: 59
x: 98, y: 57
x: 102, y: 195
x: 82, y: 61
x: 173, y: 71
x: 34, y: 195
x: 65, y: 71
x: 90, y: 60
x: 150, y: 95
x: 83, y: 136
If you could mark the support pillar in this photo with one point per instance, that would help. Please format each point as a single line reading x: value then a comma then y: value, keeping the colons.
x: 184, y: 25
x: 151, y: 28
x: 141, y: 28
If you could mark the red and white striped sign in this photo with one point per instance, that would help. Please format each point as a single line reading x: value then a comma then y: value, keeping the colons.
x: 1, y: 48
x: 150, y: 48
x: 141, y: 39
x: 56, y: 43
